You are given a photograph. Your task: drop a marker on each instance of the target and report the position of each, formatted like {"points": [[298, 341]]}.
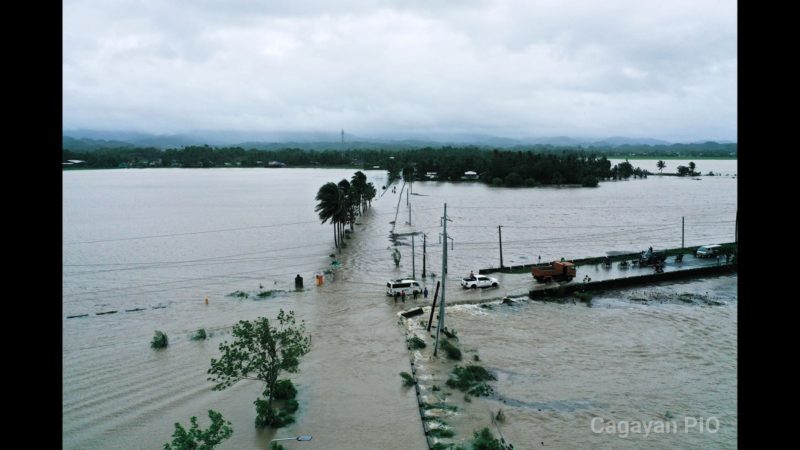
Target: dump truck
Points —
{"points": [[556, 270]]}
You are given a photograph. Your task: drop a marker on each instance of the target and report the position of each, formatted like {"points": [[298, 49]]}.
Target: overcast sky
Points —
{"points": [[662, 69]]}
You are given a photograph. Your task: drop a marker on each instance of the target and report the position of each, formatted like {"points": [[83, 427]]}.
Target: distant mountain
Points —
{"points": [[88, 140], [88, 145], [616, 141]]}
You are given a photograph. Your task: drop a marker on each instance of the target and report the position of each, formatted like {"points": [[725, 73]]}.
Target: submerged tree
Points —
{"points": [[661, 165], [261, 351], [330, 206], [197, 439]]}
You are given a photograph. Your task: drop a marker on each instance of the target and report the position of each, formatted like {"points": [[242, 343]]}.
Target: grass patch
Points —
{"points": [[408, 380], [160, 340], [239, 294], [451, 350], [416, 343]]}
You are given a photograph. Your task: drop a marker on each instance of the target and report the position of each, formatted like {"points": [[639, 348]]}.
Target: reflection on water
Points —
{"points": [[161, 241]]}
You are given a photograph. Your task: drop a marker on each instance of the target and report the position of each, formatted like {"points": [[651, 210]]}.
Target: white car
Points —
{"points": [[708, 251], [478, 281]]}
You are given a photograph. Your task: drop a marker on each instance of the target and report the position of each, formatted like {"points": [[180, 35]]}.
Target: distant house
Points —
{"points": [[431, 175], [276, 164], [470, 175]]}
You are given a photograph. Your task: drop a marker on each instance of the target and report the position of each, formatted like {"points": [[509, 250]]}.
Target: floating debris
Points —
{"points": [[107, 312], [77, 315]]}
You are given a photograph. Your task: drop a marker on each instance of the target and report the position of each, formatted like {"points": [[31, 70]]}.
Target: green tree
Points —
{"points": [[197, 439], [261, 351], [683, 171], [661, 165], [330, 205], [692, 166]]}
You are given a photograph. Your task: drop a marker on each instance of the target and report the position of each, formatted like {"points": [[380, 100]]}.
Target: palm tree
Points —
{"points": [[359, 184], [347, 215], [661, 164], [691, 168], [369, 193], [330, 206]]}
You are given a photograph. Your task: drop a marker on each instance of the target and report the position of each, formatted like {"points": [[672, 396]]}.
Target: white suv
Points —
{"points": [[479, 281], [708, 251], [398, 286]]}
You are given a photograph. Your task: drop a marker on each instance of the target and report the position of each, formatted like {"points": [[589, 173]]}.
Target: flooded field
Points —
{"points": [[160, 241], [572, 376]]}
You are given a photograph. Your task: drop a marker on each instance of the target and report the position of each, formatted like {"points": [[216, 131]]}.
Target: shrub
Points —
{"points": [[485, 440], [451, 350], [471, 379], [291, 406], [497, 181], [408, 380], [239, 294], [199, 335], [416, 343], [271, 417], [160, 340], [441, 432], [284, 390]]}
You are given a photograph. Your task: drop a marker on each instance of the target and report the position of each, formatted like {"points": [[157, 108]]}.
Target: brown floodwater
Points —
{"points": [[162, 240]]}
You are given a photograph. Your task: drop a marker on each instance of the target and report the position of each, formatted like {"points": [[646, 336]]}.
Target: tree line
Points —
{"points": [[498, 167]]}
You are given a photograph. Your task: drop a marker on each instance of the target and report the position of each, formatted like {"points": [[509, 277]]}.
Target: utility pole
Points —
{"points": [[424, 255], [500, 234], [433, 306], [413, 259], [683, 232], [440, 324], [736, 233]]}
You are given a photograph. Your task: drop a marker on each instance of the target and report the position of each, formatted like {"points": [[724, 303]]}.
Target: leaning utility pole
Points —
{"points": [[440, 324]]}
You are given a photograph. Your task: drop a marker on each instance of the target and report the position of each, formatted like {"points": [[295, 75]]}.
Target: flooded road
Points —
{"points": [[161, 241]]}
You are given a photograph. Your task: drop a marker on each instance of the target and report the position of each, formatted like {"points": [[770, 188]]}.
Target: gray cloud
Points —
{"points": [[512, 68]]}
